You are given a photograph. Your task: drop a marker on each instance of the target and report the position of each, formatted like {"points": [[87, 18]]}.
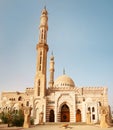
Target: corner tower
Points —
{"points": [[42, 49]]}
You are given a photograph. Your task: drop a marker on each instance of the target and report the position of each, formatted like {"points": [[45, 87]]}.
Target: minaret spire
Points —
{"points": [[42, 49], [43, 26], [51, 82], [41, 67], [45, 7]]}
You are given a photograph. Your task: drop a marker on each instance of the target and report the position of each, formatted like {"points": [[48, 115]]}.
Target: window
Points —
{"points": [[40, 53], [84, 99], [40, 62], [93, 109], [40, 59], [93, 117], [27, 103], [40, 67], [99, 103], [20, 98], [39, 82], [42, 35], [89, 109], [38, 91]]}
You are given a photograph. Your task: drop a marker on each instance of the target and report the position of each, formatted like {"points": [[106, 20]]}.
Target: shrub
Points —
{"points": [[18, 118], [12, 118], [4, 117], [32, 121]]}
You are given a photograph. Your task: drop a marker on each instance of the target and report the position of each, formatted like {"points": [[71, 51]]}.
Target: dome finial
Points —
{"points": [[63, 71], [52, 53]]}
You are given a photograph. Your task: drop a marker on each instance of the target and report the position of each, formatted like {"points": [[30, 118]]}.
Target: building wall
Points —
{"points": [[77, 100], [16, 100]]}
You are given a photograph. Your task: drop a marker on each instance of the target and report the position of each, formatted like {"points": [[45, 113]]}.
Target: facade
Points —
{"points": [[61, 100]]}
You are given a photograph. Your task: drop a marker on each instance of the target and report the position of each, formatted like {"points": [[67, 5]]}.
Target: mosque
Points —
{"points": [[59, 101]]}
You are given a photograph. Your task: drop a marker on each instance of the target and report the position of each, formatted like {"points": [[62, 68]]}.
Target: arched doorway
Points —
{"points": [[51, 116], [65, 114], [78, 115]]}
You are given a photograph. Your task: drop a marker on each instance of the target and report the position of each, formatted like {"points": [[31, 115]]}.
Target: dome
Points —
{"points": [[64, 81]]}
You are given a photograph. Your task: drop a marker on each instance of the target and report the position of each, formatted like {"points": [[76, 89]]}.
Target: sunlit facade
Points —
{"points": [[60, 100]]}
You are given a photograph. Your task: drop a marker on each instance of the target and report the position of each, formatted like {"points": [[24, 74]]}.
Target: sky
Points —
{"points": [[80, 35]]}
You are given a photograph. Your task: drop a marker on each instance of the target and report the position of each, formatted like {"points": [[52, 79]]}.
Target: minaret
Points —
{"points": [[42, 48], [51, 82]]}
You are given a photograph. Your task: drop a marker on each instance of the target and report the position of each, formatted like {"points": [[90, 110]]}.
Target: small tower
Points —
{"points": [[51, 82], [42, 49]]}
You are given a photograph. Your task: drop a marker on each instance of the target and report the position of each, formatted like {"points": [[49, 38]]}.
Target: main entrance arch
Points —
{"points": [[65, 113]]}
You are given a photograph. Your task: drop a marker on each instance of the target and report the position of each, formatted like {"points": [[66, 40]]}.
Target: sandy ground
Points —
{"points": [[57, 127]]}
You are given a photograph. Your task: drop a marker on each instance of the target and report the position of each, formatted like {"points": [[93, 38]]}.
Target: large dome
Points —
{"points": [[64, 81]]}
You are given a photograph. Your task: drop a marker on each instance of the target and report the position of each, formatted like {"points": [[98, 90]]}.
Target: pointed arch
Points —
{"points": [[65, 113], [78, 115], [51, 116]]}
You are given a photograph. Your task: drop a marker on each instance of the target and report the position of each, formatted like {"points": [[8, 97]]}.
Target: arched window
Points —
{"points": [[99, 104], [89, 109], [39, 67], [40, 59], [20, 98], [27, 103], [39, 82], [40, 53], [42, 34], [93, 109], [40, 64], [93, 117], [39, 91]]}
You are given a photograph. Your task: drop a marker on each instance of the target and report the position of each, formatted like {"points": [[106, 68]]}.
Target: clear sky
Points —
{"points": [[80, 35]]}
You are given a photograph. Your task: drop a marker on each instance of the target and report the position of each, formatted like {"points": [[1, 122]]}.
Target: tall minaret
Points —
{"points": [[42, 48], [51, 82]]}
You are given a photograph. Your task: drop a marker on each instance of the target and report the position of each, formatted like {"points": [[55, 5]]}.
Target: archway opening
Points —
{"points": [[78, 115], [65, 113], [51, 116]]}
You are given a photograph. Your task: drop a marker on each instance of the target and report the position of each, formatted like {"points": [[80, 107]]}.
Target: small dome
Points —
{"points": [[64, 81]]}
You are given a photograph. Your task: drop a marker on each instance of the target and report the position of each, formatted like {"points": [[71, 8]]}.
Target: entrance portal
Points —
{"points": [[65, 114], [78, 115], [51, 116]]}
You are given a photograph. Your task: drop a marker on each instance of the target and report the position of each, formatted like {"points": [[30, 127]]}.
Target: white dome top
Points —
{"points": [[64, 81]]}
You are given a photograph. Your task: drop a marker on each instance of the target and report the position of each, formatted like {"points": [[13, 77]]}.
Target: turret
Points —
{"points": [[51, 82]]}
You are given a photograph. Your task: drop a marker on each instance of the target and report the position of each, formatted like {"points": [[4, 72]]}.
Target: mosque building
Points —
{"points": [[59, 101]]}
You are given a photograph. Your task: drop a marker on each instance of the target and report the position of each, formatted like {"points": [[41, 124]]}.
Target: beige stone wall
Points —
{"points": [[79, 98], [16, 99]]}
